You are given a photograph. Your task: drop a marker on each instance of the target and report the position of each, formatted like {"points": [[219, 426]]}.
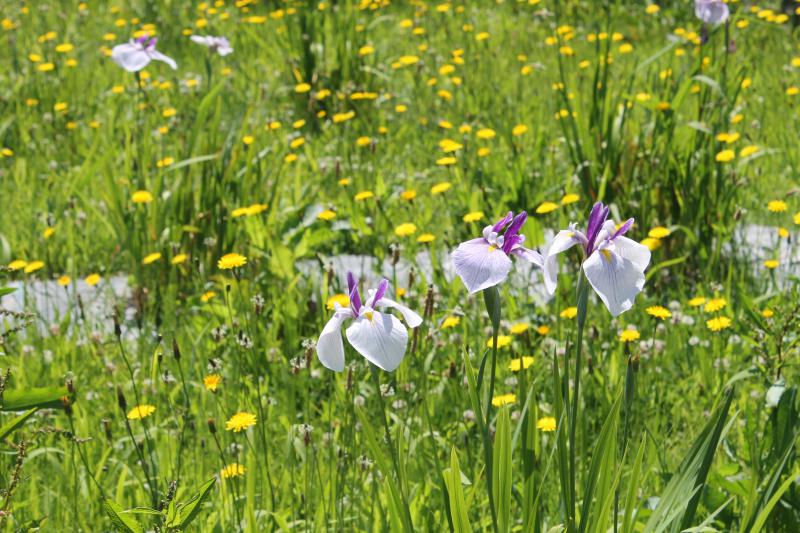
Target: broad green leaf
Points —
{"points": [[758, 525], [190, 510], [678, 502], [501, 470], [455, 490], [10, 426], [120, 521], [42, 397]]}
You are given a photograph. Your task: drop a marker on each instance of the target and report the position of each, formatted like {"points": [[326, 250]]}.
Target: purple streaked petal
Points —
{"points": [[480, 265], [503, 222], [352, 291], [623, 229], [380, 293], [511, 241], [597, 218], [531, 256], [141, 40], [151, 44], [512, 233], [130, 56]]}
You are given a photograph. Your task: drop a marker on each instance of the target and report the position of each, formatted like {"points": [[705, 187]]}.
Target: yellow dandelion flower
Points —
{"points": [[326, 215], [546, 207], [33, 266], [629, 335], [520, 328], [569, 199], [651, 243], [450, 322], [777, 206], [725, 156], [212, 381], [569, 312], [697, 301], [232, 260], [240, 421], [519, 129], [748, 150], [449, 145], [342, 299], [659, 232], [714, 305], [486, 133], [504, 399], [207, 296], [767, 313], [232, 470], [406, 229], [426, 237], [151, 258], [408, 195], [141, 197], [17, 264], [502, 341], [439, 188], [301, 88], [179, 259], [515, 365], [446, 161], [543, 330], [771, 264], [547, 423], [363, 195], [141, 411], [718, 323], [473, 216], [658, 311], [92, 279]]}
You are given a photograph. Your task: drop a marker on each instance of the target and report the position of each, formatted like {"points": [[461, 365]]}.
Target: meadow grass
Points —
{"points": [[187, 394]]}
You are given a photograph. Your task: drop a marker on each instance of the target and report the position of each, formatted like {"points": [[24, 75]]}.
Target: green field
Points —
{"points": [[174, 242]]}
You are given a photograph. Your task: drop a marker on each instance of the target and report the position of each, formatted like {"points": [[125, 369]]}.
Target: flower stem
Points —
{"points": [[491, 298], [583, 293], [394, 452]]}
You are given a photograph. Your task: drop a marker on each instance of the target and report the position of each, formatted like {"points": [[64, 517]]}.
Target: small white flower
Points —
{"points": [[219, 45], [137, 54], [380, 337]]}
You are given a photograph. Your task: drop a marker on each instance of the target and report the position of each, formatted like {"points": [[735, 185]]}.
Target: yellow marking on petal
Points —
{"points": [[606, 254], [368, 314], [492, 248]]}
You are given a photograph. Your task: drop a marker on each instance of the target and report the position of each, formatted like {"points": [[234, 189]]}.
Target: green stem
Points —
{"points": [[583, 293], [394, 452], [491, 298]]}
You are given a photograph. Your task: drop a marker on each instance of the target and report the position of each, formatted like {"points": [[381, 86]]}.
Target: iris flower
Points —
{"points": [[137, 54], [711, 11], [614, 265], [380, 337], [219, 45], [486, 261]]}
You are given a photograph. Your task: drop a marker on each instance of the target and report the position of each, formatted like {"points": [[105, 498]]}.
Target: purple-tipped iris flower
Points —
{"points": [[486, 261], [219, 45], [711, 11], [380, 337], [137, 54], [613, 264]]}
